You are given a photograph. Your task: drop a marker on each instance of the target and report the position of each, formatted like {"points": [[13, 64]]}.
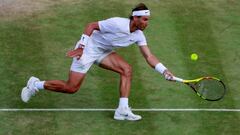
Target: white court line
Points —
{"points": [[104, 110]]}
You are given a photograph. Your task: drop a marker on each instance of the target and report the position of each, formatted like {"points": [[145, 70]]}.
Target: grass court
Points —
{"points": [[35, 36]]}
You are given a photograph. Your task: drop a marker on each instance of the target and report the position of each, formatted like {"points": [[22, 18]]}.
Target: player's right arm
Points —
{"points": [[155, 63]]}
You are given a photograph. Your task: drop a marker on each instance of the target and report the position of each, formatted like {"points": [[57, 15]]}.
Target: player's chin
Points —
{"points": [[142, 28]]}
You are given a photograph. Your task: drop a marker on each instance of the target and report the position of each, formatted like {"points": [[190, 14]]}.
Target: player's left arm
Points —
{"points": [[153, 61], [77, 52]]}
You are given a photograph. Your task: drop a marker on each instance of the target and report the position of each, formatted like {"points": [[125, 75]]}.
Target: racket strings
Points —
{"points": [[210, 89]]}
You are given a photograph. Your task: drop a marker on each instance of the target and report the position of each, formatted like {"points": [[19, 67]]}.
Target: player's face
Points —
{"points": [[142, 22]]}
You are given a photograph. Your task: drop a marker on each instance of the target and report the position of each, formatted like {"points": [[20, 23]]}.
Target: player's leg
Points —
{"points": [[77, 73], [117, 64], [72, 85], [76, 76]]}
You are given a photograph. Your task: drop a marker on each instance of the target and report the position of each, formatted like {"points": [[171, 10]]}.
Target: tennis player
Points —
{"points": [[96, 45]]}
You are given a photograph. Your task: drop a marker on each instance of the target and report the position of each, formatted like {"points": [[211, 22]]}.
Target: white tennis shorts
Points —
{"points": [[92, 53]]}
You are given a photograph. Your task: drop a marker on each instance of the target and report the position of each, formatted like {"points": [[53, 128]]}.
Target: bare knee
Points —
{"points": [[126, 70], [71, 89]]}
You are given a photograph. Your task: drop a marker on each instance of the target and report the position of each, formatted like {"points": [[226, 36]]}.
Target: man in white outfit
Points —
{"points": [[96, 46]]}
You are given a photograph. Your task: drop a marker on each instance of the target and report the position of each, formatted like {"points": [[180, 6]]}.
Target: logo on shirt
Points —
{"points": [[131, 40]]}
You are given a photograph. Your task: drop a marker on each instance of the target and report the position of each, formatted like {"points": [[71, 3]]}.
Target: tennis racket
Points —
{"points": [[208, 88]]}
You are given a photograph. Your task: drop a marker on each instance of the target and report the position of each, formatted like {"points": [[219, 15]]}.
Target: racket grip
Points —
{"points": [[177, 79]]}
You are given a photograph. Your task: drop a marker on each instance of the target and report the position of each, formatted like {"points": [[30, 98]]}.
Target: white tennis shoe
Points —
{"points": [[125, 113], [30, 90]]}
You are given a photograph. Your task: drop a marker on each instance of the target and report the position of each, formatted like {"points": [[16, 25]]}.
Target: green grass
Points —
{"points": [[36, 45]]}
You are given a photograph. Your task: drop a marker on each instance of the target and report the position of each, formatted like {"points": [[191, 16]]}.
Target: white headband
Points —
{"points": [[141, 13]]}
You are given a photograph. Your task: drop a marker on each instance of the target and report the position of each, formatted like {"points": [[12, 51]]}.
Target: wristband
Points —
{"points": [[79, 45], [160, 68], [84, 39]]}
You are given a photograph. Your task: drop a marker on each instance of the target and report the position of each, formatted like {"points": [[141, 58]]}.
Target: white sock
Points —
{"points": [[39, 85], [123, 102]]}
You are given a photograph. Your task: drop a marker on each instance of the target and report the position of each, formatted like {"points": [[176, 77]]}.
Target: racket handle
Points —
{"points": [[177, 79]]}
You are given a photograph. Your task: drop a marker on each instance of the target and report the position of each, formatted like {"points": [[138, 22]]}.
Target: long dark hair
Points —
{"points": [[140, 6]]}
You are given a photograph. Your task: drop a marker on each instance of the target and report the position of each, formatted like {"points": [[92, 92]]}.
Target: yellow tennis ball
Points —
{"points": [[194, 56]]}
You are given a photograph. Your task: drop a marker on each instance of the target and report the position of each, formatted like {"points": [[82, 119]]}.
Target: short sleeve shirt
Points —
{"points": [[115, 32]]}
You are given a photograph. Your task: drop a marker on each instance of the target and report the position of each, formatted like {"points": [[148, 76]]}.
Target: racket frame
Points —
{"points": [[191, 84]]}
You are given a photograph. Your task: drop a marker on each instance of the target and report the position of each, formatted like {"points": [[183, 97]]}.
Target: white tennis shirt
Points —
{"points": [[115, 32]]}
